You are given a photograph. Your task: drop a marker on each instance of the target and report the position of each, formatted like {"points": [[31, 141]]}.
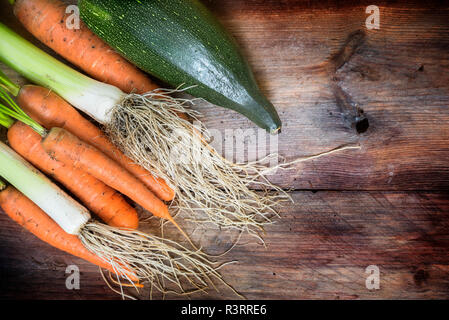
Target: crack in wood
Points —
{"points": [[352, 43], [353, 116]]}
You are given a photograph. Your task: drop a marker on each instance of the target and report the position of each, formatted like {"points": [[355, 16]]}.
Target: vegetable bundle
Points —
{"points": [[67, 149], [53, 216]]}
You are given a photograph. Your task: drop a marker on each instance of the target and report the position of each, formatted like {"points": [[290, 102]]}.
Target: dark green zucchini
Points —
{"points": [[180, 42]]}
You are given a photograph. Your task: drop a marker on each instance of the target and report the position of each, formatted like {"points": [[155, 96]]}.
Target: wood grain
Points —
{"points": [[397, 76], [386, 204]]}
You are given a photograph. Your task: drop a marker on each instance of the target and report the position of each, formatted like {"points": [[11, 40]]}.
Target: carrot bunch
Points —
{"points": [[90, 174], [50, 110], [53, 216], [48, 212]]}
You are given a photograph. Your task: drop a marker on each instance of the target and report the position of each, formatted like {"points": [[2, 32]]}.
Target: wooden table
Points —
{"points": [[334, 82]]}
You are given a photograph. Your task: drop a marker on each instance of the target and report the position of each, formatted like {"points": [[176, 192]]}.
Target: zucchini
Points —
{"points": [[181, 42]]}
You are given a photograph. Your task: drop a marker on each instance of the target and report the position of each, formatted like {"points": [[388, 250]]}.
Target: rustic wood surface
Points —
{"points": [[334, 82]]}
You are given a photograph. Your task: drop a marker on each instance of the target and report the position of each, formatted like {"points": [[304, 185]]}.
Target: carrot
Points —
{"points": [[50, 110], [23, 211], [67, 148], [46, 20], [101, 199]]}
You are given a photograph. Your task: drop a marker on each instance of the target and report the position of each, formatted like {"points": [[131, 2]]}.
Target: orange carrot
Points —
{"points": [[101, 199], [67, 148], [51, 111], [47, 21], [23, 211]]}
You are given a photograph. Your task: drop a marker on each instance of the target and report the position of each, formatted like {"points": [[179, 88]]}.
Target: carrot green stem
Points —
{"points": [[5, 96], [12, 2], [2, 185], [7, 84], [12, 110], [6, 121]]}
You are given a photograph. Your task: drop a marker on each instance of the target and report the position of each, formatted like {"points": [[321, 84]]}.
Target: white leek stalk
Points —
{"points": [[65, 211]]}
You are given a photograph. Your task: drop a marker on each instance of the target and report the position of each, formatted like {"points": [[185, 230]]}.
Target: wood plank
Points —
{"points": [[318, 249]]}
